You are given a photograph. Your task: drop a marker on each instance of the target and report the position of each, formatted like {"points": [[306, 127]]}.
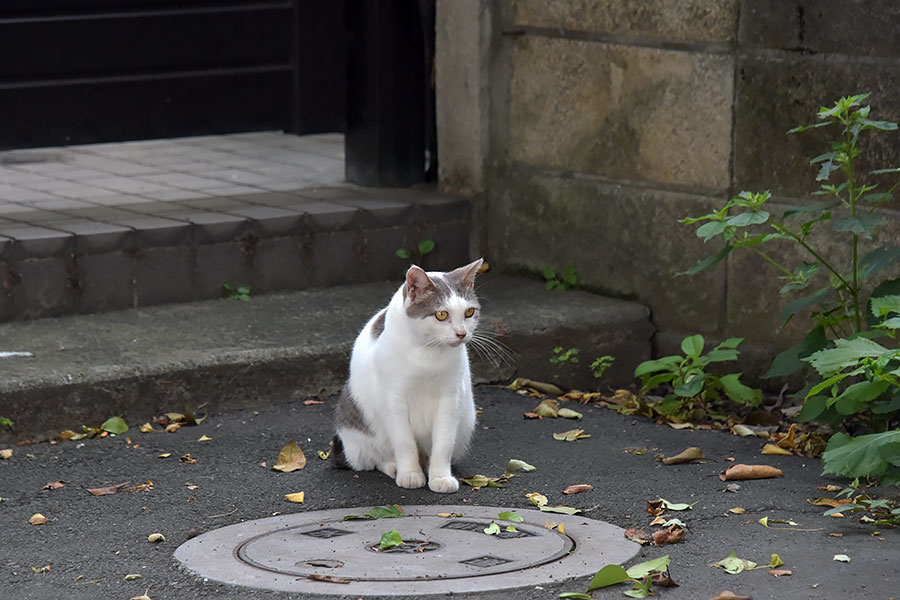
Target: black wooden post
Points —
{"points": [[385, 136]]}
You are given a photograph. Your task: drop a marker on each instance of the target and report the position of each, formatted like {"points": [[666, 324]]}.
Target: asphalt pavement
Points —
{"points": [[89, 543]]}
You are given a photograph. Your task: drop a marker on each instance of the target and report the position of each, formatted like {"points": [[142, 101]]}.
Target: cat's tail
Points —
{"points": [[338, 458]]}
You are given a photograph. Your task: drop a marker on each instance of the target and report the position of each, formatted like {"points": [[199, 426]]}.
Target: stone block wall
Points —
{"points": [[609, 121]]}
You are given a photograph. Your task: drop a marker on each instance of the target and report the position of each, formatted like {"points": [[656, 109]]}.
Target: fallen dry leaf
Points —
{"points": [[773, 449], [291, 458], [830, 488], [54, 486], [107, 491], [173, 427], [154, 538], [327, 578], [672, 535], [685, 456], [836, 515], [741, 471], [660, 520], [836, 534], [832, 502], [780, 572], [204, 438], [637, 535], [187, 458], [655, 507], [165, 455], [38, 519], [296, 498], [578, 488], [546, 388], [729, 595], [737, 510], [312, 402], [147, 428], [571, 435], [6, 454]]}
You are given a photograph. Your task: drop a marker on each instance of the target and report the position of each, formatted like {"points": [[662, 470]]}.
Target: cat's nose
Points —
{"points": [[461, 334]]}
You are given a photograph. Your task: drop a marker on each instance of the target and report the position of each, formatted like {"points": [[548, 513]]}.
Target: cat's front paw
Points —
{"points": [[443, 485], [411, 479]]}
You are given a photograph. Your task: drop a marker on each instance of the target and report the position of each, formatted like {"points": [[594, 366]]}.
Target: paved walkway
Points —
{"points": [[108, 226]]}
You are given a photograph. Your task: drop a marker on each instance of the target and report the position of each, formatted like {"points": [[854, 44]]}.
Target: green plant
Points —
{"points": [[560, 356], [689, 380], [241, 292], [422, 249], [857, 378], [4, 422], [601, 364], [883, 511], [553, 281]]}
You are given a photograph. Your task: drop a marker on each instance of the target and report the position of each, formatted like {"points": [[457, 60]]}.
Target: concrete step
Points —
{"points": [[277, 347]]}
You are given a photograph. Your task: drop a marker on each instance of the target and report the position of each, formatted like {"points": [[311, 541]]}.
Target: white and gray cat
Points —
{"points": [[408, 405]]}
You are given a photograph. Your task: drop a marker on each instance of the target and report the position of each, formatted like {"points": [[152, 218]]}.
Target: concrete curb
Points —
{"points": [[229, 354]]}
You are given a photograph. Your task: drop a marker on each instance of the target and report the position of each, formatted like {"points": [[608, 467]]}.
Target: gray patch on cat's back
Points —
{"points": [[348, 414], [378, 324]]}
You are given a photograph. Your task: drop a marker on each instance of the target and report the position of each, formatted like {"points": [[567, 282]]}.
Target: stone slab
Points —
{"points": [[226, 353], [452, 555], [625, 112], [669, 20]]}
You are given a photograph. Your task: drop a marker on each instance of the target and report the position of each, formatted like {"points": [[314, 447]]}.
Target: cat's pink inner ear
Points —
{"points": [[417, 281]]}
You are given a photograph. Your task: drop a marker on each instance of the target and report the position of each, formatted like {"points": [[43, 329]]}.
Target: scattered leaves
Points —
{"points": [[291, 458], [568, 413], [204, 438], [671, 535], [54, 486], [541, 501], [296, 498], [540, 386], [165, 455], [492, 529], [517, 465], [734, 565], [133, 576], [571, 435], [841, 558], [107, 491], [780, 572], [312, 402], [773, 449], [737, 510], [578, 488], [511, 516], [389, 539], [637, 535], [392, 511], [685, 456], [187, 458], [6, 454], [155, 538], [324, 455], [38, 519], [742, 471], [480, 481], [147, 428], [115, 425]]}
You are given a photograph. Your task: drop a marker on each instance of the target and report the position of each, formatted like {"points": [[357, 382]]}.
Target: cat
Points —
{"points": [[408, 401]]}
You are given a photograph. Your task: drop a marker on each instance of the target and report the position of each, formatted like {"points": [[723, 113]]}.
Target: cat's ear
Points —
{"points": [[466, 275], [418, 284]]}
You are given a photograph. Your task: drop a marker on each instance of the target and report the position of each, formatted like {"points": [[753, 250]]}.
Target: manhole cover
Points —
{"points": [[318, 552]]}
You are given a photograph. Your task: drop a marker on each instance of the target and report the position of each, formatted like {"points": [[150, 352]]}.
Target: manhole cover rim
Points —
{"points": [[213, 555]]}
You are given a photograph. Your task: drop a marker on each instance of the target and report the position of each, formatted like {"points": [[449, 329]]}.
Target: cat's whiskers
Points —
{"points": [[486, 345]]}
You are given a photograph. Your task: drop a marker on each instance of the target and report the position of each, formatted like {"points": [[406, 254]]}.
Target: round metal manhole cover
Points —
{"points": [[319, 552]]}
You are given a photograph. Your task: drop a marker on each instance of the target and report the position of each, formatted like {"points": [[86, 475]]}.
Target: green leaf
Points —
{"points": [[691, 388], [751, 217], [692, 345], [115, 425], [807, 208], [734, 565], [739, 392], [795, 306], [518, 465], [548, 274], [480, 481], [512, 516], [640, 589], [608, 575], [878, 259], [666, 363], [859, 456], [884, 305], [855, 397], [562, 510], [860, 224], [575, 595], [656, 565], [711, 229], [675, 506], [403, 253], [812, 408], [492, 529], [790, 361], [385, 512], [845, 353], [389, 539], [426, 246], [707, 262]]}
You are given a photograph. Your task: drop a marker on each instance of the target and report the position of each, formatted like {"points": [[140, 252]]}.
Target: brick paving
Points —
{"points": [[109, 226]]}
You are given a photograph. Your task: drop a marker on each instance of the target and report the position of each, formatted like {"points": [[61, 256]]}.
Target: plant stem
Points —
{"points": [[772, 262], [815, 254]]}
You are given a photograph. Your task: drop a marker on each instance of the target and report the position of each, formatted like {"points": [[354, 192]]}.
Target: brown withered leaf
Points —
{"points": [[547, 408], [107, 491], [54, 486], [637, 535], [187, 458], [663, 579], [38, 519], [685, 456], [729, 595], [742, 471], [671, 535], [655, 507], [659, 520], [832, 502], [837, 535], [312, 402], [578, 488], [291, 458], [780, 572]]}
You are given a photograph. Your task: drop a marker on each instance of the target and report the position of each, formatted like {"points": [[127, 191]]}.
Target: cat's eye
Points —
{"points": [[469, 312], [440, 315]]}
